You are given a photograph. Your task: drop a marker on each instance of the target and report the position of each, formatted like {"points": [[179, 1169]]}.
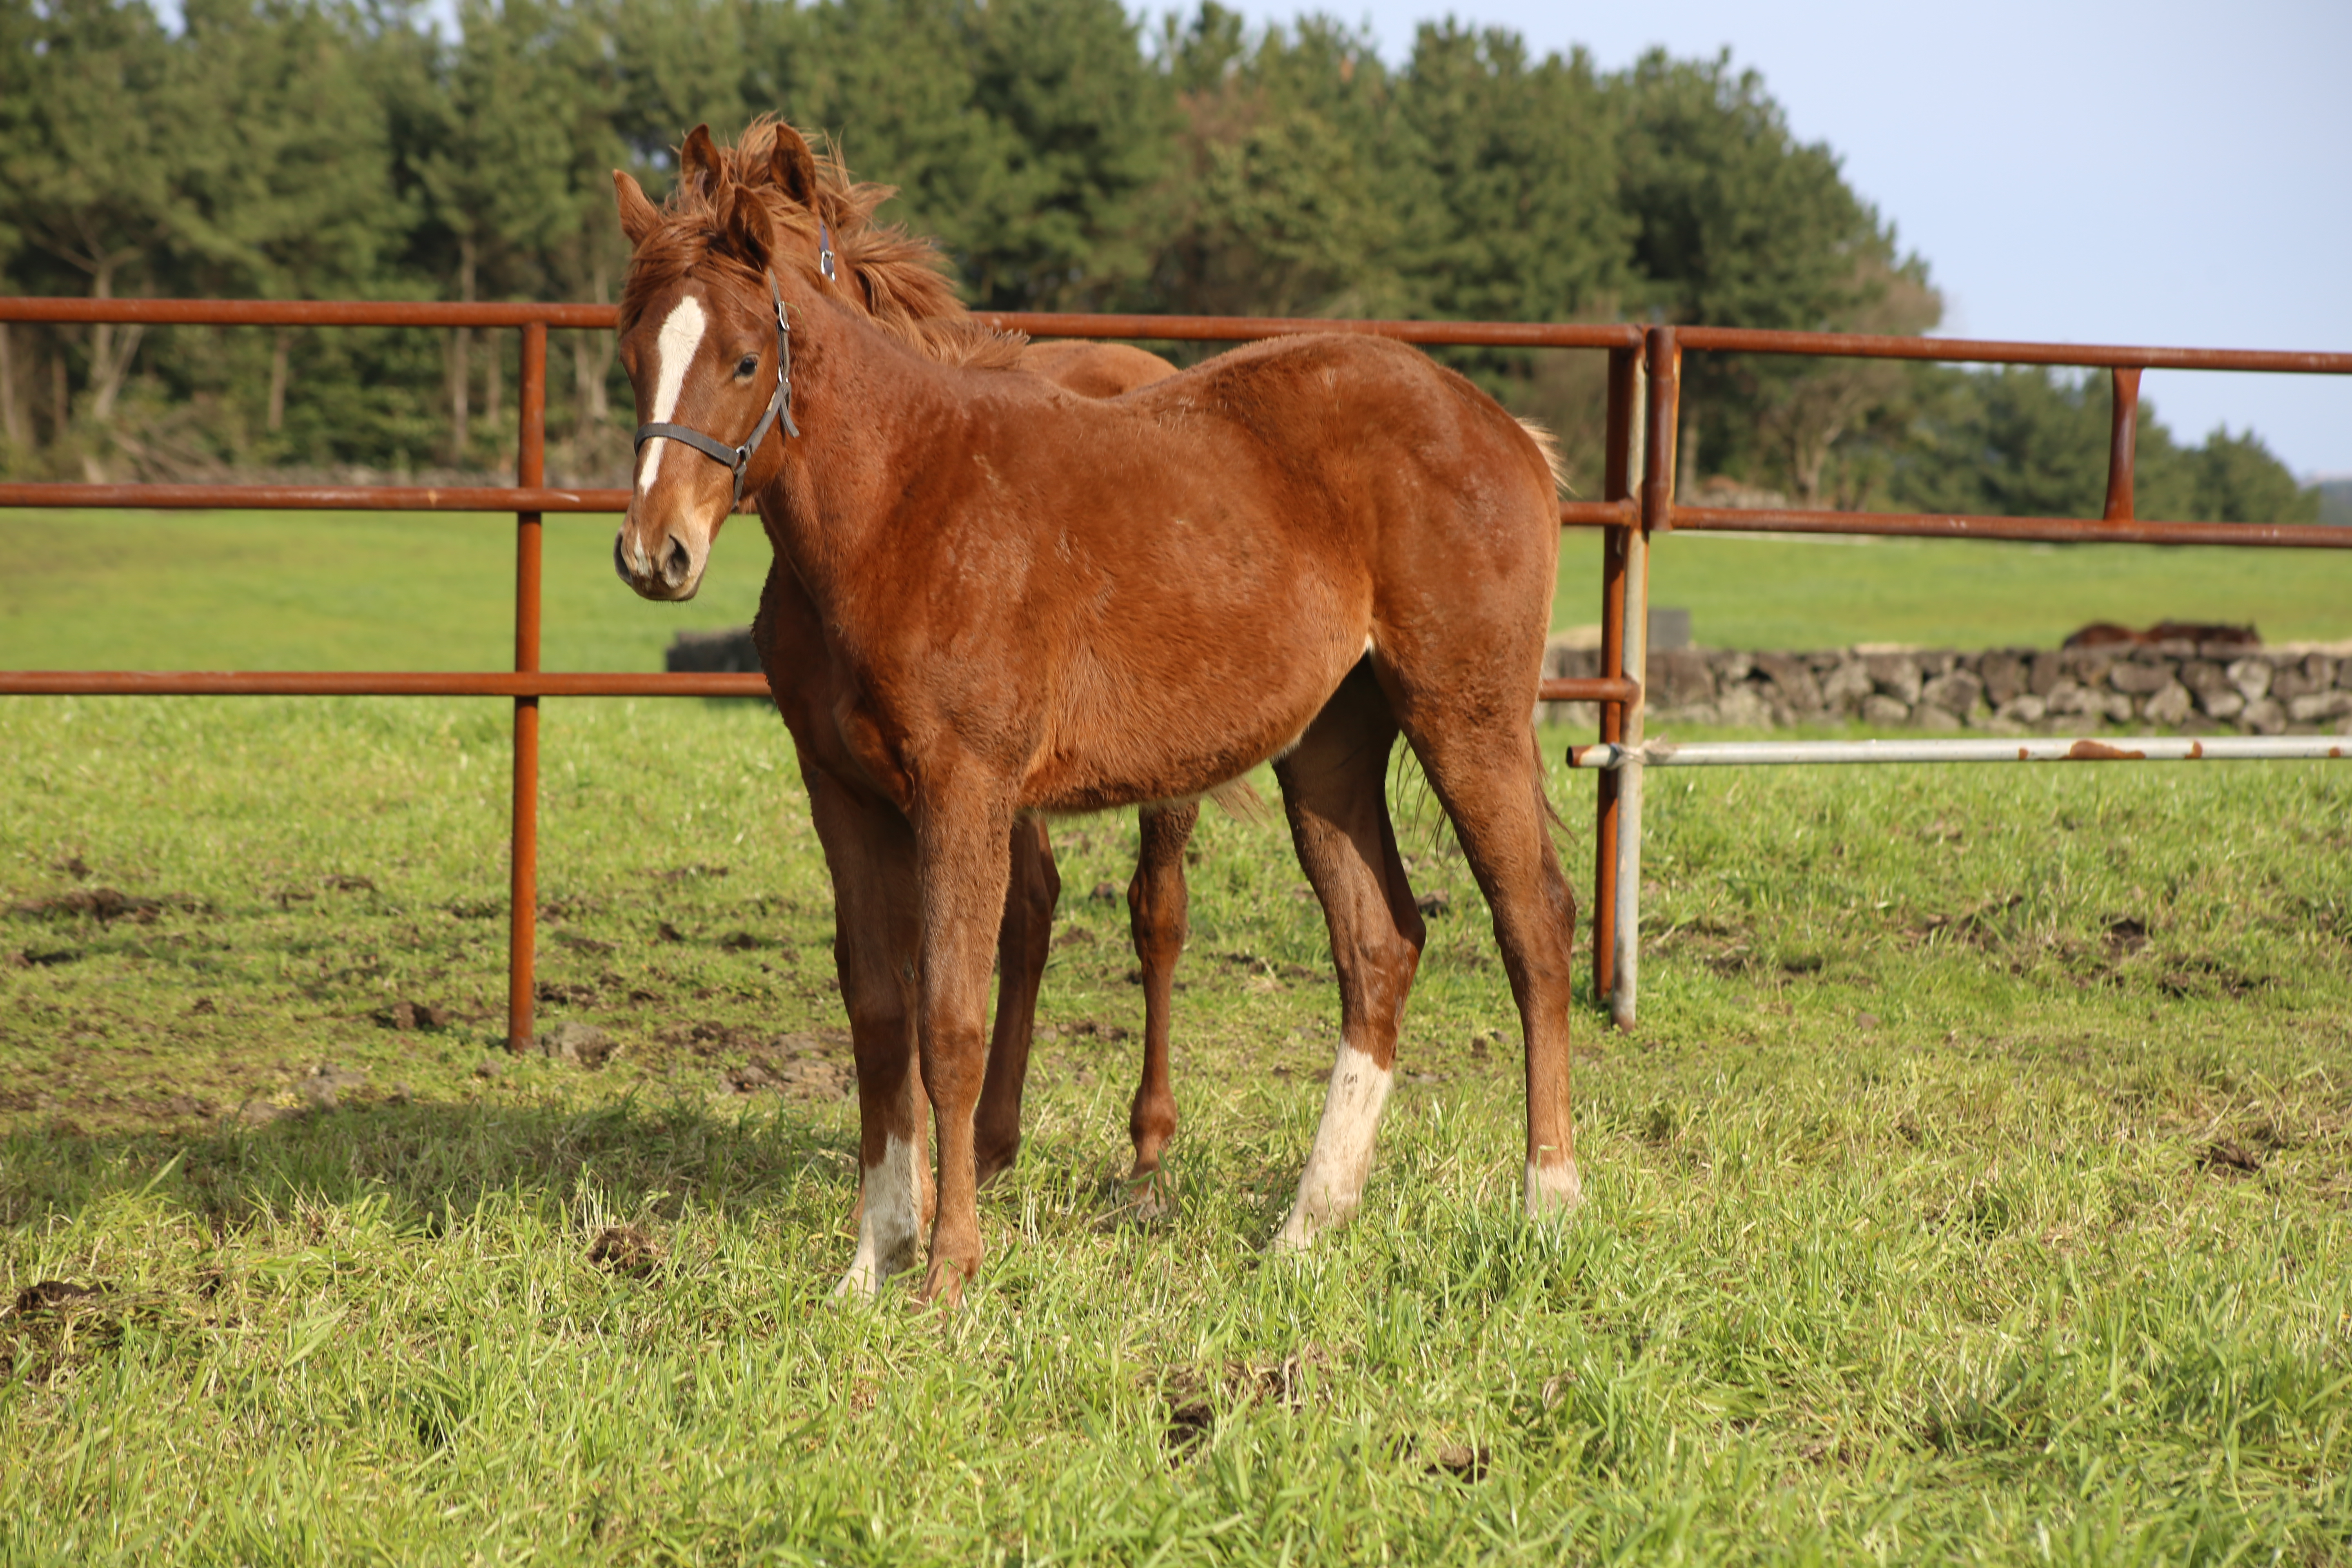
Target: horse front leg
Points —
{"points": [[870, 852], [962, 875]]}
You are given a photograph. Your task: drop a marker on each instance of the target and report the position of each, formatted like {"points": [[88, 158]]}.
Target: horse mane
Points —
{"points": [[899, 278]]}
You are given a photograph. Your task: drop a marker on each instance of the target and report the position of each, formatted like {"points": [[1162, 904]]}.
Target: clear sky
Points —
{"points": [[2091, 171]]}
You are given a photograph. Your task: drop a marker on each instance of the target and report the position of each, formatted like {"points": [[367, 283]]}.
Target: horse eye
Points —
{"points": [[747, 364]]}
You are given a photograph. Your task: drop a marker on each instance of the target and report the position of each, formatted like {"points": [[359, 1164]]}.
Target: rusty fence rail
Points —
{"points": [[1622, 755], [1636, 506], [530, 499]]}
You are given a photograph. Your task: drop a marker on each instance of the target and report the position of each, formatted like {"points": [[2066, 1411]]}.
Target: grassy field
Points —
{"points": [[355, 591], [1978, 1186]]}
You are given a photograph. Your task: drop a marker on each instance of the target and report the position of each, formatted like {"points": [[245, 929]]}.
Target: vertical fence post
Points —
{"points": [[1620, 475], [1662, 406], [2122, 436], [523, 914]]}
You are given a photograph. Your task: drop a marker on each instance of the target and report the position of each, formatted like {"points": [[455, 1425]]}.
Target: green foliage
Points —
{"points": [[2028, 442], [1063, 160]]}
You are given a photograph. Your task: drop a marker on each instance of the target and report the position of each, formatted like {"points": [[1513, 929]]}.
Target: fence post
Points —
{"points": [[522, 912], [1663, 407], [1620, 475], [2122, 436]]}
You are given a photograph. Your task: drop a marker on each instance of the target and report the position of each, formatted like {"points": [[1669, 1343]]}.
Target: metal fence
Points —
{"points": [[1622, 755], [530, 499], [1637, 506]]}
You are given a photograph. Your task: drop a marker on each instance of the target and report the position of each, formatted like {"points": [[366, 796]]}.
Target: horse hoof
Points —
{"points": [[942, 1287], [989, 1166], [1155, 1195], [1553, 1189]]}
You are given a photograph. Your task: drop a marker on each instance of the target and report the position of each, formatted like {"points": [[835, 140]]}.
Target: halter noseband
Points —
{"points": [[780, 406]]}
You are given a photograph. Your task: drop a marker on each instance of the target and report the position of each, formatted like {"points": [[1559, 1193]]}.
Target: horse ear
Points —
{"points": [[699, 166], [746, 229], [794, 165], [637, 214]]}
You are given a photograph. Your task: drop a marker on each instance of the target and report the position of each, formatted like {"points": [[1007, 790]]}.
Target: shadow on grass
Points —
{"points": [[434, 1160]]}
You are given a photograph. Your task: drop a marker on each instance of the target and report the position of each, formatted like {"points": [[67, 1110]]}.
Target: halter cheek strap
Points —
{"points": [[779, 406]]}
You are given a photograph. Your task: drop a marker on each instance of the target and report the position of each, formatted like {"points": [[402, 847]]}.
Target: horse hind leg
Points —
{"points": [[1023, 945], [1157, 906], [1487, 777], [1334, 788]]}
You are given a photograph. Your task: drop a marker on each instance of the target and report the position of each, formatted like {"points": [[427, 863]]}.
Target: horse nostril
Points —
{"points": [[620, 563], [675, 565]]}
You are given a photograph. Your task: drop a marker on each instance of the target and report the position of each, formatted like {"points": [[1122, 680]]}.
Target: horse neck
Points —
{"points": [[867, 407]]}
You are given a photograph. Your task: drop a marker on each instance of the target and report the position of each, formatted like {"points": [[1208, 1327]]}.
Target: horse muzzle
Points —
{"points": [[668, 571]]}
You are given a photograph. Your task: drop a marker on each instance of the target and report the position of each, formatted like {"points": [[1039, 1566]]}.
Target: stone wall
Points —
{"points": [[2180, 687]]}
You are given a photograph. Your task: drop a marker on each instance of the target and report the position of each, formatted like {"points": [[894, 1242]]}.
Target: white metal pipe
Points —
{"points": [[1663, 753], [1624, 966]]}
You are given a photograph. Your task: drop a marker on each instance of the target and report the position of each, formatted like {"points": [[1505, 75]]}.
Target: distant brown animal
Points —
{"points": [[2107, 634], [1005, 599]]}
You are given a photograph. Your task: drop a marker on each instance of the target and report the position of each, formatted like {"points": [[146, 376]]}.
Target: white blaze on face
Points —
{"points": [[674, 350], [1342, 1157], [888, 1234]]}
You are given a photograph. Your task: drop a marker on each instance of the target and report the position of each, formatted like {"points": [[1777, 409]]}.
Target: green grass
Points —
{"points": [[1978, 1188], [359, 591], [1789, 592], [90, 590], [1914, 1229]]}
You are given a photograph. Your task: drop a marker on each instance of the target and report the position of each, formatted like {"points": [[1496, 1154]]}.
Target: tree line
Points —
{"points": [[1066, 155]]}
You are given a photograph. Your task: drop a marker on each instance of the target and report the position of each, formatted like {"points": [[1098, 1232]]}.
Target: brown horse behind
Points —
{"points": [[1007, 599]]}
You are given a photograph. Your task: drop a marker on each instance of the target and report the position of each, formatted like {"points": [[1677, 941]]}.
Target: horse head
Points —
{"points": [[706, 342]]}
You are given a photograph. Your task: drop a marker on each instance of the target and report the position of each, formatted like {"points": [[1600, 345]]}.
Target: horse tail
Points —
{"points": [[1548, 445]]}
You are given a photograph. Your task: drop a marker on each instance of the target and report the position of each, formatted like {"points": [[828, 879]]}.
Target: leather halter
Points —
{"points": [[779, 406]]}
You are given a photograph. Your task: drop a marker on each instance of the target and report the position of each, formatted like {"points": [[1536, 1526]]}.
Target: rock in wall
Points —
{"points": [[2188, 687]]}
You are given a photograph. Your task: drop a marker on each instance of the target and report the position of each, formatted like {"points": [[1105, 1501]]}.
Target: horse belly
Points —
{"points": [[1122, 733]]}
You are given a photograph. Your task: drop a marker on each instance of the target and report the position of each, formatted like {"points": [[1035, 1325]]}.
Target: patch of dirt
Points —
{"points": [[2206, 977], [322, 1087], [54, 1296], [577, 1044], [406, 1015], [1462, 1462], [566, 995], [709, 1038], [743, 942], [1105, 893], [107, 905], [1194, 1393], [688, 873], [669, 933], [1432, 905], [2226, 1154], [1974, 926], [815, 1065], [342, 883], [583, 944], [53, 1323], [625, 1250], [1092, 1030], [2126, 935]]}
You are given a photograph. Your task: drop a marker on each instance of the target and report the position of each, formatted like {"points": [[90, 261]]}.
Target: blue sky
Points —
{"points": [[2093, 172]]}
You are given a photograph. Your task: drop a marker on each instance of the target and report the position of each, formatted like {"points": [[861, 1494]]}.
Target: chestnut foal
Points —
{"points": [[899, 279], [1006, 598]]}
